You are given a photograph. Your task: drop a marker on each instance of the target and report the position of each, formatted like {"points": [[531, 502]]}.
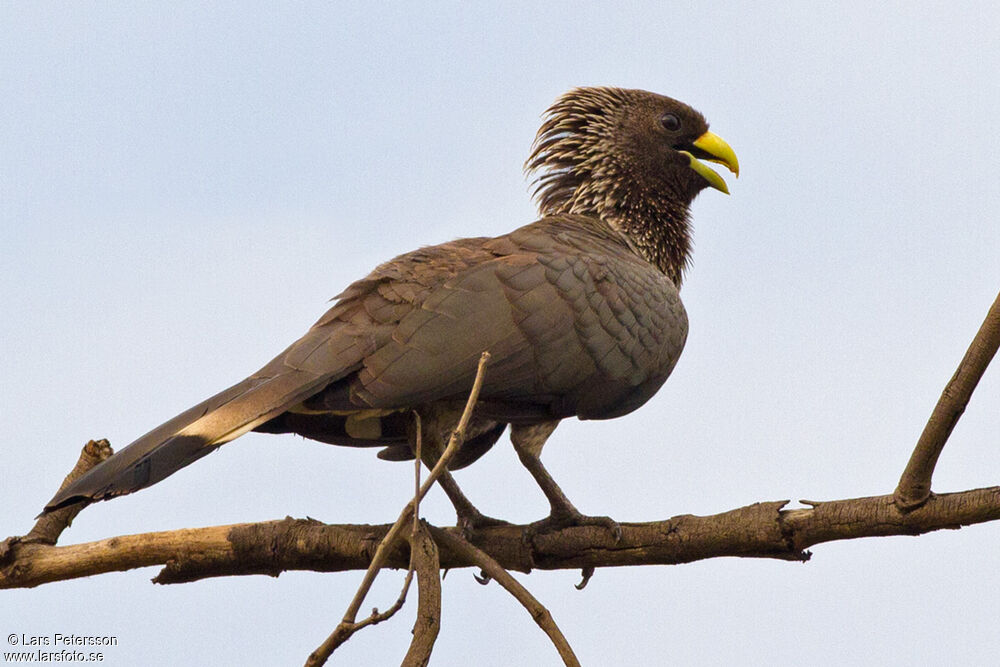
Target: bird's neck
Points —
{"points": [[652, 216], [659, 233]]}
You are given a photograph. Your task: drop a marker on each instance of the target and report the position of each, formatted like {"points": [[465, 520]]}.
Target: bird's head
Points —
{"points": [[632, 158], [595, 142]]}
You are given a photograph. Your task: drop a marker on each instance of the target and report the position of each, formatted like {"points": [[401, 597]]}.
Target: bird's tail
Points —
{"points": [[191, 435]]}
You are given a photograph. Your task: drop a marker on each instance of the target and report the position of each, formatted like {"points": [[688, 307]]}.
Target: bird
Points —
{"points": [[579, 310]]}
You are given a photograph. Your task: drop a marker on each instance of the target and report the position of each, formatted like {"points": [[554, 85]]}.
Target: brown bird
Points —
{"points": [[580, 311]]}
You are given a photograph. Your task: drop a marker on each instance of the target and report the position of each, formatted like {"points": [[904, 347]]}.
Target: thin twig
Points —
{"points": [[458, 435], [417, 465], [415, 562], [345, 629], [915, 483], [377, 616], [538, 612]]}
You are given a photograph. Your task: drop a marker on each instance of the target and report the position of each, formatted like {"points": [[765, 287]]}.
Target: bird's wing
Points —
{"points": [[575, 322]]}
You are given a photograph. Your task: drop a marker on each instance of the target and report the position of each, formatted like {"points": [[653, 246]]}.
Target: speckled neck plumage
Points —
{"points": [[583, 170], [661, 234]]}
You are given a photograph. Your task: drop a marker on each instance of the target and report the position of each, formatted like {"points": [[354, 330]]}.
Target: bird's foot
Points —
{"points": [[567, 518], [471, 521]]}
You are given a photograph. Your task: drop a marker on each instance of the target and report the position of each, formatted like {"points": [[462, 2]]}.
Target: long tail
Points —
{"points": [[192, 434]]}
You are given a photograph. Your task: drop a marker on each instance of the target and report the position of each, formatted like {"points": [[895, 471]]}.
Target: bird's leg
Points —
{"points": [[528, 442], [431, 447], [469, 518]]}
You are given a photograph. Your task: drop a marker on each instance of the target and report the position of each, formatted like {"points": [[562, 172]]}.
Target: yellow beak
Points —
{"points": [[719, 152]]}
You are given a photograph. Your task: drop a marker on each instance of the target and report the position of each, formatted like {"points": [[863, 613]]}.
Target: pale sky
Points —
{"points": [[183, 186]]}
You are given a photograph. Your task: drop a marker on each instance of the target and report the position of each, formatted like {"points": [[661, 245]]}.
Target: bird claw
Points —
{"points": [[470, 522], [568, 519]]}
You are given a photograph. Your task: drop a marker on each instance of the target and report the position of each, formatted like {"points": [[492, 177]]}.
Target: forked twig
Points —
{"points": [[494, 570], [347, 626]]}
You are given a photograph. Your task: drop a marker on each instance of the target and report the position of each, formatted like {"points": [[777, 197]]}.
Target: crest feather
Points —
{"points": [[573, 154]]}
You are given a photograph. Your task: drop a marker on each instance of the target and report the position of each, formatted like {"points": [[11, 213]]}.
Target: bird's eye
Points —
{"points": [[670, 122]]}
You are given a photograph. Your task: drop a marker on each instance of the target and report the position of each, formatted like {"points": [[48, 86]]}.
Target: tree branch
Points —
{"points": [[49, 527], [915, 484], [761, 530]]}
